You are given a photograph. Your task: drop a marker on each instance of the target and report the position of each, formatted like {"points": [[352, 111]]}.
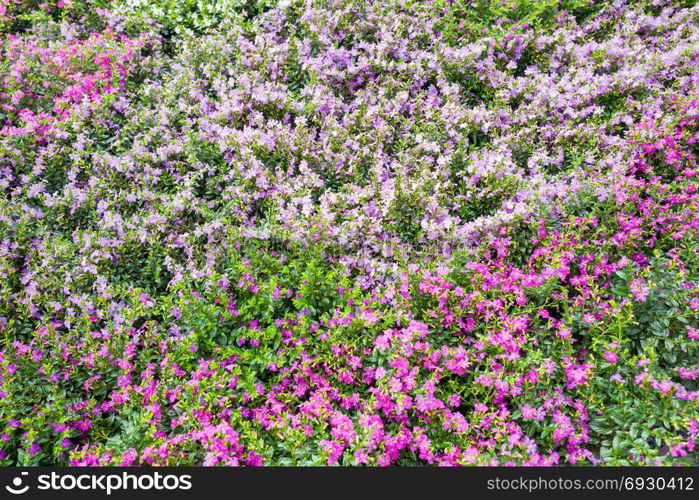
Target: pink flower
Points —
{"points": [[611, 356], [639, 289], [576, 374]]}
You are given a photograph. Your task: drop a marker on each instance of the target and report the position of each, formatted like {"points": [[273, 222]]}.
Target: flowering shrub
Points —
{"points": [[191, 15], [43, 84], [341, 232]]}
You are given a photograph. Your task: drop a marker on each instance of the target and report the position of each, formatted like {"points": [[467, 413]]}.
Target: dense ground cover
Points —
{"points": [[349, 232]]}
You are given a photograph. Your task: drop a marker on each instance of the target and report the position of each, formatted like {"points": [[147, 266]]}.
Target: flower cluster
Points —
{"points": [[347, 232]]}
